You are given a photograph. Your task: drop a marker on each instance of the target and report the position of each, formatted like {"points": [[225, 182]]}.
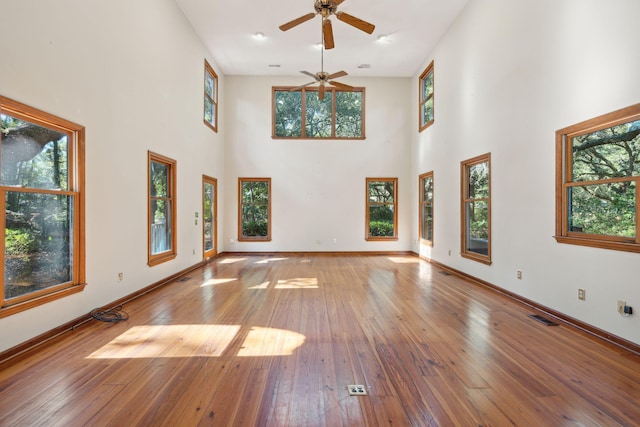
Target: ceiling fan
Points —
{"points": [[323, 78], [326, 8]]}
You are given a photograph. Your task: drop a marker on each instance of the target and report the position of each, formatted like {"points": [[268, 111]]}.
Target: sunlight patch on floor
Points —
{"points": [[169, 341], [231, 260], [298, 283], [404, 259], [270, 342], [267, 261], [213, 282]]}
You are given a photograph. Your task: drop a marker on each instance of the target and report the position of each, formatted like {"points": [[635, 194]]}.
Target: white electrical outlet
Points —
{"points": [[621, 305], [581, 294], [120, 277], [519, 274]]}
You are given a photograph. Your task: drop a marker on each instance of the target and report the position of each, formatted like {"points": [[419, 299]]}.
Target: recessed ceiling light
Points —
{"points": [[364, 66], [259, 35], [274, 65], [383, 38]]}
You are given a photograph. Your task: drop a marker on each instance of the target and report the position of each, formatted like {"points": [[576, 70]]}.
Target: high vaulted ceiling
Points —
{"points": [[411, 27]]}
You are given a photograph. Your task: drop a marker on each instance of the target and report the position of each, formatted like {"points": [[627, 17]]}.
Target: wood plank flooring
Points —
{"points": [[274, 341]]}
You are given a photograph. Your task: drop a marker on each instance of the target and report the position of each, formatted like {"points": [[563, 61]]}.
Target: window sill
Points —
{"points": [[602, 244], [28, 304], [480, 258]]}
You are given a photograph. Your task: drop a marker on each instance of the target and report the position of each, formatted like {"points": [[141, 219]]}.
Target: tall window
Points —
{"points": [[476, 208], [382, 212], [597, 181], [426, 208], [209, 216], [162, 209], [42, 207], [425, 82], [301, 114], [210, 97], [254, 213]]}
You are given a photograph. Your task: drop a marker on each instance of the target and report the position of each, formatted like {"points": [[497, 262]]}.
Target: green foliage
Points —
{"points": [[381, 228], [611, 155], [19, 242], [254, 229]]}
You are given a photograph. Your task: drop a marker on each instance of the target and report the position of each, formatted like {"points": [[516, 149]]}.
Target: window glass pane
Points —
{"points": [[427, 222], [427, 111], [209, 111], [33, 156], [348, 114], [38, 242], [159, 179], [288, 114], [427, 86], [479, 181], [160, 226], [208, 216], [605, 209], [477, 225], [209, 86], [255, 192], [318, 115], [427, 195], [381, 221], [381, 192], [607, 153], [255, 220]]}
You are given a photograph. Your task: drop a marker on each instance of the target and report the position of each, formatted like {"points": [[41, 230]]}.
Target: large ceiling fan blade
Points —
{"points": [[289, 25], [356, 22], [306, 73], [336, 75], [321, 92], [327, 32], [341, 86]]}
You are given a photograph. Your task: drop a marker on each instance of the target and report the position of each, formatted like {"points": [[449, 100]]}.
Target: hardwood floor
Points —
{"points": [[274, 341]]}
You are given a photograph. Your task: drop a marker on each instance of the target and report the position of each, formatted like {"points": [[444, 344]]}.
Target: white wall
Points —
{"points": [[318, 187], [132, 74], [507, 76]]}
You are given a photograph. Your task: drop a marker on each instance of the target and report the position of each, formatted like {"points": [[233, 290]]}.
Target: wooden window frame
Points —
{"points": [[241, 237], [564, 181], [208, 70], [206, 254], [75, 189], [155, 259], [303, 110], [421, 205], [422, 100], [395, 210], [464, 193]]}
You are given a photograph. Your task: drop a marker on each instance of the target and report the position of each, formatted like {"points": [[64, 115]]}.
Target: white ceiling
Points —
{"points": [[227, 28]]}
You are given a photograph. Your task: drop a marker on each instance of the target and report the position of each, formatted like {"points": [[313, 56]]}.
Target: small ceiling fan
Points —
{"points": [[326, 8], [323, 78]]}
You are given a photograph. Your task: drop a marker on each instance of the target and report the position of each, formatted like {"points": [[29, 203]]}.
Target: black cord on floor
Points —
{"points": [[115, 314]]}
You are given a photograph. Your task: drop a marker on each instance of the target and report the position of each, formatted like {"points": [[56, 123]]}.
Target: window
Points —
{"points": [[210, 97], [382, 212], [42, 212], [476, 208], [426, 98], [340, 115], [254, 213], [597, 181], [426, 208], [162, 209], [209, 216]]}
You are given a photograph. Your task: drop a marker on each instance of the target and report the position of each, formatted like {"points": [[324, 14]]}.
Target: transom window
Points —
{"points": [[254, 210], [210, 97], [476, 208], [162, 209], [426, 208], [300, 114], [382, 212], [425, 82], [42, 207], [598, 175]]}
